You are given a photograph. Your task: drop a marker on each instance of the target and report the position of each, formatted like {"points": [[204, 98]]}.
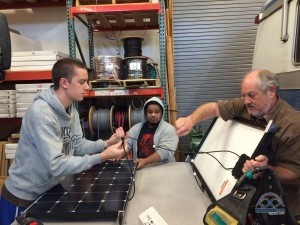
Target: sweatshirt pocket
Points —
{"points": [[42, 182]]}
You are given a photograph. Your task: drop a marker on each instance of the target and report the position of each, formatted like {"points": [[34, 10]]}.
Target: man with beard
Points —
{"points": [[153, 140], [260, 102]]}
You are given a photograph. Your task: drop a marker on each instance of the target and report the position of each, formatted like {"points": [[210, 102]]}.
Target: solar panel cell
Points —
{"points": [[99, 193]]}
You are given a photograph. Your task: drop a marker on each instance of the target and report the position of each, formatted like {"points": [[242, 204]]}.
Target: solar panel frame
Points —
{"points": [[98, 194], [238, 136]]}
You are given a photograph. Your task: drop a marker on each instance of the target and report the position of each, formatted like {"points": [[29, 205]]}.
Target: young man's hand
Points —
{"points": [[112, 152], [125, 149], [115, 138]]}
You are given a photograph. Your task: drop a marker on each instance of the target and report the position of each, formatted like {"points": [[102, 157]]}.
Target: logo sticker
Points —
{"points": [[270, 203]]}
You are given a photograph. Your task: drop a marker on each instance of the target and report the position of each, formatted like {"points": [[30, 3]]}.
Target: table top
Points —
{"points": [[168, 187], [173, 192]]}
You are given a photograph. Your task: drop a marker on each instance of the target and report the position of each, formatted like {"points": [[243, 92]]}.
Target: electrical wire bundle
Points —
{"points": [[107, 67], [132, 46], [121, 119], [107, 119]]}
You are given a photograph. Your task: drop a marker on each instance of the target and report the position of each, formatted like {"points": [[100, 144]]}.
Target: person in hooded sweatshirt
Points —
{"points": [[153, 140], [51, 143]]}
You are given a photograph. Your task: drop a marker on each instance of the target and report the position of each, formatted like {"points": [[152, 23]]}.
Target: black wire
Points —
{"points": [[228, 151], [132, 47], [131, 170], [207, 152], [109, 38], [221, 151], [218, 161], [200, 186], [115, 39], [133, 138], [133, 180]]}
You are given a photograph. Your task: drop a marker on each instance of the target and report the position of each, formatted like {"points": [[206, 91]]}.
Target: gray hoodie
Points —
{"points": [[51, 146], [165, 136]]}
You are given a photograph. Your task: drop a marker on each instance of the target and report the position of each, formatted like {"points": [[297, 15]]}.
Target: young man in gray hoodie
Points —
{"points": [[51, 143], [153, 140]]}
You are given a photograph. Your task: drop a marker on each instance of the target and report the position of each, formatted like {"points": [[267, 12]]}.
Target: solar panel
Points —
{"points": [[100, 193], [221, 148]]}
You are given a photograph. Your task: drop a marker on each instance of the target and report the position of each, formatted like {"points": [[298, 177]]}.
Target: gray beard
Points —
{"points": [[264, 111]]}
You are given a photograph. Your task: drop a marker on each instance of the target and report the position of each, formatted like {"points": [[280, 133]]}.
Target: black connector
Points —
{"points": [[237, 169]]}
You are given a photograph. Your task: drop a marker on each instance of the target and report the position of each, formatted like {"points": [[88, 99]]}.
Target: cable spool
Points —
{"points": [[132, 46], [135, 116], [107, 67], [151, 70], [121, 118], [111, 116], [135, 67], [100, 120], [129, 116]]}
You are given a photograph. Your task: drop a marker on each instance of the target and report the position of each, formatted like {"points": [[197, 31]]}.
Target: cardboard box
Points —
{"points": [[21, 43]]}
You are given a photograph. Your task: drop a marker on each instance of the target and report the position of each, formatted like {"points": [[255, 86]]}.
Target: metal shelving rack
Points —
{"points": [[28, 75], [120, 12], [21, 4], [162, 43]]}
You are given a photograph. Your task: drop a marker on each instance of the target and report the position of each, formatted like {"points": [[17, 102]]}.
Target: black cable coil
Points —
{"points": [[132, 46]]}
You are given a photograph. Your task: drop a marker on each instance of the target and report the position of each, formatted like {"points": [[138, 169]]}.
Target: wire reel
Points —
{"points": [[132, 46], [100, 120], [107, 119], [135, 116]]}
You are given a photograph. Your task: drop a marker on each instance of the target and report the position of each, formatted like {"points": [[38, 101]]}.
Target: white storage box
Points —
{"points": [[21, 43], [35, 60]]}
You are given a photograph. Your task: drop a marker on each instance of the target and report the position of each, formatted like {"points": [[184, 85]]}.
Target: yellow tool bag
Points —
{"points": [[252, 202]]}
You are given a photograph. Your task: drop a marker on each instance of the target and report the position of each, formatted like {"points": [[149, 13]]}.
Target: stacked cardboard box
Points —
{"points": [[26, 94], [7, 103], [35, 60], [10, 150]]}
